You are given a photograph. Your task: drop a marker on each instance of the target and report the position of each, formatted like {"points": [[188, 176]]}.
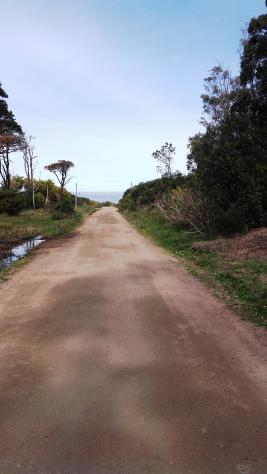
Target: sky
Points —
{"points": [[106, 83]]}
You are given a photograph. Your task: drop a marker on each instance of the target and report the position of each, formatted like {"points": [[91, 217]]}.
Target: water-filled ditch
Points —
{"points": [[11, 255]]}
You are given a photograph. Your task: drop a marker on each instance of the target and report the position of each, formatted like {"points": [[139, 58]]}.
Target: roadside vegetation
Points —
{"points": [[30, 207], [40, 222], [54, 216], [215, 217], [28, 224], [236, 268]]}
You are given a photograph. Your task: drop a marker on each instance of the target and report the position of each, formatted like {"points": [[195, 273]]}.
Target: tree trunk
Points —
{"points": [[5, 170]]}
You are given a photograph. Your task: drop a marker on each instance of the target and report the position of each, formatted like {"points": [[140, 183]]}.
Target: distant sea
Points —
{"points": [[113, 196]]}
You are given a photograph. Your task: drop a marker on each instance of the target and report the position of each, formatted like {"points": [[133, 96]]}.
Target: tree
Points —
{"points": [[10, 138], [211, 153], [229, 160], [8, 144], [220, 92], [8, 123], [254, 64], [60, 170], [29, 159], [165, 157], [253, 78]]}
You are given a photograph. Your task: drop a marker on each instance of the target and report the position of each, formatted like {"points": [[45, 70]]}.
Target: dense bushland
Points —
{"points": [[225, 191], [47, 196], [148, 193], [20, 193], [226, 188]]}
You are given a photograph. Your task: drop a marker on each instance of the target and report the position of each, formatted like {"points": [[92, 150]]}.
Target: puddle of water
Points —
{"points": [[19, 251]]}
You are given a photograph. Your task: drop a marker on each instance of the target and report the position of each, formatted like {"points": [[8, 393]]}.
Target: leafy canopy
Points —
{"points": [[60, 170]]}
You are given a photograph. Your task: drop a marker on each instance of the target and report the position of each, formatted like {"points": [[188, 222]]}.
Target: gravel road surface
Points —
{"points": [[115, 360]]}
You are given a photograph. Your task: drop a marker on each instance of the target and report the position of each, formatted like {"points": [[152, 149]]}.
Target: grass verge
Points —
{"points": [[31, 223], [241, 283], [28, 224]]}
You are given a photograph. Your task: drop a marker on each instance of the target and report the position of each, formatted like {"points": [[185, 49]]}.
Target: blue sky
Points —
{"points": [[105, 83]]}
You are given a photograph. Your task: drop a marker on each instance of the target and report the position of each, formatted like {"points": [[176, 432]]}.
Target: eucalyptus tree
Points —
{"points": [[165, 158], [30, 161], [220, 93], [229, 159]]}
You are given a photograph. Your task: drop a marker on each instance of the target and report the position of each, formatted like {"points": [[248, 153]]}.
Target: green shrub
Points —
{"points": [[229, 221], [145, 194], [53, 190], [64, 207], [39, 200], [12, 202]]}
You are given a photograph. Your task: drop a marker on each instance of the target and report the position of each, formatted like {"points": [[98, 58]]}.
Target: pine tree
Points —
{"points": [[11, 136]]}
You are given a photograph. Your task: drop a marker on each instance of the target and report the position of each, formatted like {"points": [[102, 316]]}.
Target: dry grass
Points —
{"points": [[240, 247]]}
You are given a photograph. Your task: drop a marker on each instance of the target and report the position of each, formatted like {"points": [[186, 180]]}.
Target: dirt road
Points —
{"points": [[115, 360]]}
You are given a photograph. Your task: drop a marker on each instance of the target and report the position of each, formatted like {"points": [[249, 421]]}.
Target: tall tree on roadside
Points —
{"points": [[254, 58], [253, 78], [229, 160], [11, 138], [165, 157], [220, 92], [61, 169], [211, 154]]}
